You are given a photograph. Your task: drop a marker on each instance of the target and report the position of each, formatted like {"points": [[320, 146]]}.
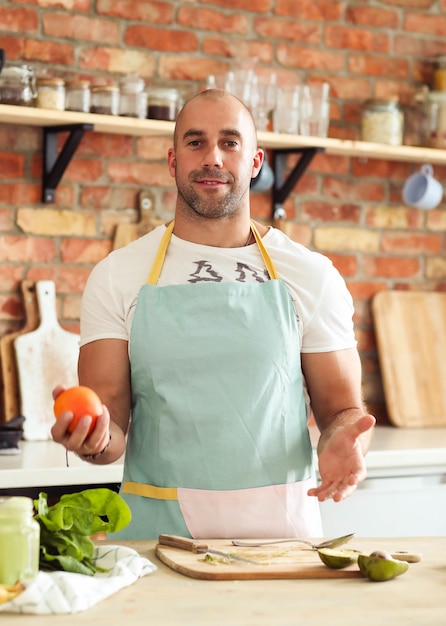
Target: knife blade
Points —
{"points": [[192, 545]]}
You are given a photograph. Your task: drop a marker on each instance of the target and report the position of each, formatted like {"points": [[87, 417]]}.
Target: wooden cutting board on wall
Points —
{"points": [[126, 233], [411, 336], [11, 393], [46, 357]]}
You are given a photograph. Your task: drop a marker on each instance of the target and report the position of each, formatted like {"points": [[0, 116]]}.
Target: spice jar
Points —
{"points": [[382, 121], [78, 96], [51, 93], [105, 100], [17, 84], [162, 103], [132, 97], [436, 119], [19, 541], [440, 74]]}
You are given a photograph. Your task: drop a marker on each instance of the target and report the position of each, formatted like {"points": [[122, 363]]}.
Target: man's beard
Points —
{"points": [[211, 207]]}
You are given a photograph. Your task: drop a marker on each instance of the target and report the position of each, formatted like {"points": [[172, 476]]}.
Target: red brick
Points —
{"points": [[346, 264], [140, 173], [73, 5], [393, 217], [10, 307], [153, 148], [410, 4], [372, 16], [18, 20], [378, 168], [49, 52], [429, 24], [84, 250], [68, 280], [99, 197], [308, 32], [135, 10], [329, 164], [416, 46], [323, 10], [411, 243], [106, 145], [161, 39], [14, 47], [15, 249], [6, 217], [27, 140], [378, 66], [225, 46], [11, 165], [353, 191], [361, 290], [390, 267], [80, 28], [356, 39], [22, 192], [254, 6], [309, 58], [208, 19], [189, 68], [329, 212], [349, 88], [10, 277], [84, 170]]}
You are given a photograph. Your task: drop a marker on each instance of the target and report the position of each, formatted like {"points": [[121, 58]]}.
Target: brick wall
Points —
{"points": [[349, 209]]}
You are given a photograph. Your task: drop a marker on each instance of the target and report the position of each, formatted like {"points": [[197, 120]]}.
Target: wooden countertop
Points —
{"points": [[166, 598]]}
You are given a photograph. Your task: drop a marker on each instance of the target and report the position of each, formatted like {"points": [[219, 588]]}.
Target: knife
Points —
{"points": [[183, 543]]}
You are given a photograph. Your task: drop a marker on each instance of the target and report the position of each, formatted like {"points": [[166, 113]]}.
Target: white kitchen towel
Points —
{"points": [[65, 592]]}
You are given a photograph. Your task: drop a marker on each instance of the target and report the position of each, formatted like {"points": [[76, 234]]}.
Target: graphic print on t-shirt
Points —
{"points": [[206, 273]]}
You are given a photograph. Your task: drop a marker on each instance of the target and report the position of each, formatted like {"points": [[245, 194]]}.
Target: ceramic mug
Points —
{"points": [[422, 190]]}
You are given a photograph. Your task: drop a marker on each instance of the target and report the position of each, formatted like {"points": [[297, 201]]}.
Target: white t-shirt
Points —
{"points": [[323, 304]]}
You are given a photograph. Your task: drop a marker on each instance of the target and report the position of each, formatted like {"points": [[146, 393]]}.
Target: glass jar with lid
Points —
{"points": [[382, 121], [78, 96], [436, 119], [105, 100], [440, 73], [17, 84], [19, 541], [51, 93], [163, 103], [132, 97]]}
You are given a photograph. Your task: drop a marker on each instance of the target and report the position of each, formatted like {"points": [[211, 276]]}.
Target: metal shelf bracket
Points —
{"points": [[54, 164], [283, 187]]}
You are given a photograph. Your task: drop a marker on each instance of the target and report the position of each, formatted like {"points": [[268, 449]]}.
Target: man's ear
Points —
{"points": [[171, 162], [257, 162]]}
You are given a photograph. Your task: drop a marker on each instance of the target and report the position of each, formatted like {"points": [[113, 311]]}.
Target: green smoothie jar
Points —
{"points": [[19, 541]]}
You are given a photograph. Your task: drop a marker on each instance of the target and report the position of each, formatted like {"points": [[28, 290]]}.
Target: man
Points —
{"points": [[209, 341]]}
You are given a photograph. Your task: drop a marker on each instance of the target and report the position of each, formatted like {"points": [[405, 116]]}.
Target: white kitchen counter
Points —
{"points": [[42, 463]]}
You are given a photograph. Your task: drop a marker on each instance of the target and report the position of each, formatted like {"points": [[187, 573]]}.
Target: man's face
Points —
{"points": [[215, 157]]}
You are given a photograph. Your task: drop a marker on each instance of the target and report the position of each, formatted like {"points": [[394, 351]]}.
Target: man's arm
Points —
{"points": [[334, 385], [104, 367]]}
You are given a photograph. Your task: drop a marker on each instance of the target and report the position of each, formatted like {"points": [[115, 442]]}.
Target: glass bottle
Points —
{"points": [[105, 100], [162, 103], [51, 93], [382, 121], [132, 97], [78, 96], [19, 541], [17, 84]]}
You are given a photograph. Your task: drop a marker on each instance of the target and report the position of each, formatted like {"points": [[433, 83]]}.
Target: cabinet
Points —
{"points": [[76, 124]]}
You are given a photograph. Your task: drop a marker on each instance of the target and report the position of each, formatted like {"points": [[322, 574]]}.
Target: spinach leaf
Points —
{"points": [[66, 527]]}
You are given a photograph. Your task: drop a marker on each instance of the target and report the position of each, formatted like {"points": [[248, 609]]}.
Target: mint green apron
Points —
{"points": [[218, 444]]}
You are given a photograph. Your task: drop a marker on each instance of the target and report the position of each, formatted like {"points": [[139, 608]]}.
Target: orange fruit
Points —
{"points": [[80, 401]]}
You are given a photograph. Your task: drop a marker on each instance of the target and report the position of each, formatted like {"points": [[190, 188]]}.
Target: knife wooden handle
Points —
{"points": [[184, 543]]}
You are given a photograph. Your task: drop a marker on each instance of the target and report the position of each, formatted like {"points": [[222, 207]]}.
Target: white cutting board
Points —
{"points": [[46, 357]]}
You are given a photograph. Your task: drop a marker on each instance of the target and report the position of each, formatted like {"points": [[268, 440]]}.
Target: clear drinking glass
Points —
{"points": [[263, 99], [315, 110], [286, 111]]}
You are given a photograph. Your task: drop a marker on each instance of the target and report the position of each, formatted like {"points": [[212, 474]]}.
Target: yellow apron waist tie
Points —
{"points": [[150, 491]]}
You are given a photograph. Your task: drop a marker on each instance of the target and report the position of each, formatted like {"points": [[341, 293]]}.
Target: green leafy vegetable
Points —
{"points": [[66, 527]]}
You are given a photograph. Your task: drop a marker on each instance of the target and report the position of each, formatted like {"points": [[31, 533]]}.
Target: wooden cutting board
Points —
{"points": [[274, 562], [11, 394], [126, 233], [46, 357], [411, 337]]}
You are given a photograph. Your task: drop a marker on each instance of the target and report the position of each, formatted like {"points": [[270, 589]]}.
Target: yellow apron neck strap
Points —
{"points": [[162, 249], [160, 255], [265, 256]]}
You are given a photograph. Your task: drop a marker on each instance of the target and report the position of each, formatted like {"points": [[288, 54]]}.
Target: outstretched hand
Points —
{"points": [[341, 460]]}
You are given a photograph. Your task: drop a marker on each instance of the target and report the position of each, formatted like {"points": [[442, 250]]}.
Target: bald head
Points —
{"points": [[223, 100]]}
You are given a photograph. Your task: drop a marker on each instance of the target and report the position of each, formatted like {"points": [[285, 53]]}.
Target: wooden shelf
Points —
{"points": [[30, 116]]}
